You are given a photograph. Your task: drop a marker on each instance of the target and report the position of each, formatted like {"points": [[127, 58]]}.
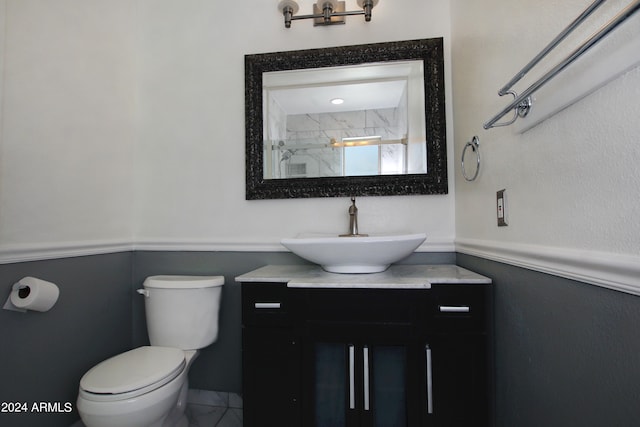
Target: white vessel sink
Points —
{"points": [[370, 254]]}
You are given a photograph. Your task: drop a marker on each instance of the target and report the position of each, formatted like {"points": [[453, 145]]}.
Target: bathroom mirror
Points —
{"points": [[353, 120]]}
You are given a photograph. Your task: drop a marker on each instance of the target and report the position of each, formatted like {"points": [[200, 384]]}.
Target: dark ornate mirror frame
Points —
{"points": [[432, 182]]}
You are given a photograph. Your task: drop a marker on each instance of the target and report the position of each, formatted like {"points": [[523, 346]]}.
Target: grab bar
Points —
{"points": [[585, 46]]}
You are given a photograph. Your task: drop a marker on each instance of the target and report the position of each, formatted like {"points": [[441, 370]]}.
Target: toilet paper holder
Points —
{"points": [[32, 294]]}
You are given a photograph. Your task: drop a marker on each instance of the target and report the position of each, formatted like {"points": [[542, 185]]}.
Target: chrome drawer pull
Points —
{"points": [[266, 305], [365, 356], [429, 380], [454, 308], [352, 377]]}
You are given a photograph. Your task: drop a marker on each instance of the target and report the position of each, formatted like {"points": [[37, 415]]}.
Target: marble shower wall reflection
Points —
{"points": [[306, 150]]}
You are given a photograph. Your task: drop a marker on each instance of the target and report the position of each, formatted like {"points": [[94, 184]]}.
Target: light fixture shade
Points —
{"points": [[293, 4], [361, 3], [321, 3]]}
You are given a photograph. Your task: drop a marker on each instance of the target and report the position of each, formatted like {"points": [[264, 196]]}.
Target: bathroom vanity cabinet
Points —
{"points": [[407, 347]]}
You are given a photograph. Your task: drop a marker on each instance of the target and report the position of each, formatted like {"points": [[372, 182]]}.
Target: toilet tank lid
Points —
{"points": [[183, 282], [134, 369]]}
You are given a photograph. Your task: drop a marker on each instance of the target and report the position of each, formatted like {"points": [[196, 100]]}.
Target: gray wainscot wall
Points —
{"points": [[44, 355], [566, 353]]}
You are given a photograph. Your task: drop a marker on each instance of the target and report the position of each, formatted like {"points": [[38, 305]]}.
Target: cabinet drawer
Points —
{"points": [[358, 306], [265, 304], [458, 308]]}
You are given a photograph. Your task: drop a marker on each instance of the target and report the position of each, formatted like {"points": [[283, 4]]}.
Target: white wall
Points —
{"points": [[3, 7], [572, 181], [124, 123], [190, 173], [68, 113]]}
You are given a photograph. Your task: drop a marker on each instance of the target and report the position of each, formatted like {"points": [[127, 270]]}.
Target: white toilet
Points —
{"points": [[147, 386]]}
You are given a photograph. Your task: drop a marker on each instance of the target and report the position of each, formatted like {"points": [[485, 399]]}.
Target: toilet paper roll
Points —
{"points": [[34, 294]]}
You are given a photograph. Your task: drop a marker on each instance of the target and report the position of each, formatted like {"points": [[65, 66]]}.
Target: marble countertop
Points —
{"points": [[395, 277]]}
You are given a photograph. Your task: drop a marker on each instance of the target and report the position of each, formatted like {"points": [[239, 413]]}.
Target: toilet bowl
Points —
{"points": [[147, 386]]}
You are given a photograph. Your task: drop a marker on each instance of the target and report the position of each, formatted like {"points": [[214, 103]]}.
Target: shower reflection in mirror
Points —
{"points": [[344, 128], [347, 156]]}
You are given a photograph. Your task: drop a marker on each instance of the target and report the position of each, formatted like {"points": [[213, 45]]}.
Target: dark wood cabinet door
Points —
{"points": [[271, 377], [367, 358], [457, 393], [359, 376]]}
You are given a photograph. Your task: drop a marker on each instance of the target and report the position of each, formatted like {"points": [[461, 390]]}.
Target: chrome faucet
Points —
{"points": [[353, 221]]}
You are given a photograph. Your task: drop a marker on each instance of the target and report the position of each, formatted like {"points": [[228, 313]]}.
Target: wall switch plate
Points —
{"points": [[501, 197]]}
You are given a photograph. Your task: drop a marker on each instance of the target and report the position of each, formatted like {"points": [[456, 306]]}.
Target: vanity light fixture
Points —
{"points": [[325, 12]]}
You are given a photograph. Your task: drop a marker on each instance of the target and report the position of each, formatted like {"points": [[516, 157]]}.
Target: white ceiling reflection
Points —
{"points": [[363, 87], [357, 97]]}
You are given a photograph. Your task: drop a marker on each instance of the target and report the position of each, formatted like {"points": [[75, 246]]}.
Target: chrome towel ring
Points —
{"points": [[475, 147]]}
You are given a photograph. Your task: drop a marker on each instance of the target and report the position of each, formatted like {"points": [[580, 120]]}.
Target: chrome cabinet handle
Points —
{"points": [[267, 305], [454, 308], [365, 356], [429, 380], [352, 377]]}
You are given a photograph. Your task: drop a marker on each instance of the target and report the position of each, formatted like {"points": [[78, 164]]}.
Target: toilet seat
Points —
{"points": [[132, 373]]}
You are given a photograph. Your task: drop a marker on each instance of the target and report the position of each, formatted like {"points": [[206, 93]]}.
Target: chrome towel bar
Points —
{"points": [[521, 103], [555, 42]]}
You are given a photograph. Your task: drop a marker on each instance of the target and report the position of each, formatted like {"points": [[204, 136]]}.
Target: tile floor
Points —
{"points": [[210, 409], [214, 409]]}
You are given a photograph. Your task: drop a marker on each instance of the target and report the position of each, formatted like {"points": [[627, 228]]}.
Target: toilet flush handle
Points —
{"points": [[143, 292]]}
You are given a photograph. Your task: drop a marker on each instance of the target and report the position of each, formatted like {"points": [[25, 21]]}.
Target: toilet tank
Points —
{"points": [[182, 311]]}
